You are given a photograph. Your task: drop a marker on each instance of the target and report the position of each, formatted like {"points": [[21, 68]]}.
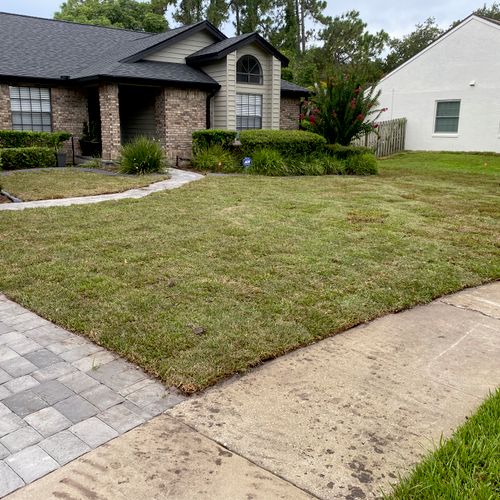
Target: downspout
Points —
{"points": [[207, 107]]}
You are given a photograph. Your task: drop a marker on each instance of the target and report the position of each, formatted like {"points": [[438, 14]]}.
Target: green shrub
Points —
{"points": [[25, 139], [286, 142], [344, 152], [364, 164], [267, 161], [31, 157], [215, 159], [141, 156], [203, 139]]}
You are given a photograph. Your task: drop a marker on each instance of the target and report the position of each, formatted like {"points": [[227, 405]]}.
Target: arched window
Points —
{"points": [[248, 70]]}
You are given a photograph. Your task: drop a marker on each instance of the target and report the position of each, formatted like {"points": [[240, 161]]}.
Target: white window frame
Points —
{"points": [[436, 118], [252, 111], [31, 108]]}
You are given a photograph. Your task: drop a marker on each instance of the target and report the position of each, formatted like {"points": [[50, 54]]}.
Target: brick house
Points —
{"points": [[56, 75]]}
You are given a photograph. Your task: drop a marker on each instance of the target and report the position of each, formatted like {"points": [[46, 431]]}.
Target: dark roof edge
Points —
{"points": [[295, 93], [108, 78], [81, 24], [252, 38], [195, 28]]}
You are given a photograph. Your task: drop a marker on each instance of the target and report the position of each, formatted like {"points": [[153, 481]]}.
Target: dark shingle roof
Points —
{"points": [[38, 48], [221, 49], [293, 89]]}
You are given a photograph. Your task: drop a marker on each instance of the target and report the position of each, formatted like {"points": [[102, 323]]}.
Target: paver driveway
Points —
{"points": [[61, 396]]}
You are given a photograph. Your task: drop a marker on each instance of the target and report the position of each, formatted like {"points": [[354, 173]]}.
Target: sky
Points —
{"points": [[395, 17]]}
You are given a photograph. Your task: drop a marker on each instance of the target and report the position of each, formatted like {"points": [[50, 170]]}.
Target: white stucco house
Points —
{"points": [[450, 91]]}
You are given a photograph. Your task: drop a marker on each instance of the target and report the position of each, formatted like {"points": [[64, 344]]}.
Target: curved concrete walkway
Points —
{"points": [[177, 179]]}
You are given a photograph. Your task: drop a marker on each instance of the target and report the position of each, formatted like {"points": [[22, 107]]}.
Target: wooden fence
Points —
{"points": [[389, 139]]}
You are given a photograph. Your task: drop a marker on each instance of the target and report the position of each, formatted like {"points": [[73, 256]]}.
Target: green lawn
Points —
{"points": [[208, 280], [29, 185], [467, 466]]}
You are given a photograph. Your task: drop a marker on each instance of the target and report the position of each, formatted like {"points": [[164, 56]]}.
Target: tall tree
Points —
{"points": [[493, 11], [189, 12], [405, 48], [129, 14], [217, 12]]}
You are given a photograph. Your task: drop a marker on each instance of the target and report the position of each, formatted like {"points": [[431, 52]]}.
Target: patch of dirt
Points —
{"points": [[4, 199]]}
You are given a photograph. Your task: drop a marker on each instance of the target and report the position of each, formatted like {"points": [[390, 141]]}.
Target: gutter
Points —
{"points": [[207, 107]]}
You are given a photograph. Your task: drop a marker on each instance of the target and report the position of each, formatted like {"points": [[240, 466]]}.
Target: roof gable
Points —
{"points": [[440, 39], [223, 48]]}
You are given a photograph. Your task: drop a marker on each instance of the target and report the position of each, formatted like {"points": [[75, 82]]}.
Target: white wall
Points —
{"points": [[444, 71]]}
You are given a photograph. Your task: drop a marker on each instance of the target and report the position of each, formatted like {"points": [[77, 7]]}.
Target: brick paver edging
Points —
{"points": [[177, 179], [62, 396]]}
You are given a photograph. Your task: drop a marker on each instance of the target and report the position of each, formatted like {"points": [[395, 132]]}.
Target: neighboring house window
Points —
{"points": [[248, 111], [30, 108], [248, 70], [447, 114]]}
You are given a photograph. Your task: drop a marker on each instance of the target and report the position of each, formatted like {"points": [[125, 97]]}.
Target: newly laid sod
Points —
{"points": [[48, 184], [465, 466], [208, 280]]}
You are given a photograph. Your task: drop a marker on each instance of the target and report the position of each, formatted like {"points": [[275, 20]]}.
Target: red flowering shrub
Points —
{"points": [[341, 109]]}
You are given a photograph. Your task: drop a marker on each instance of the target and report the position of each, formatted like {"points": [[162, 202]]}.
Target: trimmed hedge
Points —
{"points": [[343, 152], [364, 164], [31, 157], [204, 139], [286, 142], [25, 139]]}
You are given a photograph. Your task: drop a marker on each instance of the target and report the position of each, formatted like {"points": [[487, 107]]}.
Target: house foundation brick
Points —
{"points": [[289, 113], [69, 111], [5, 115], [110, 121], [179, 112]]}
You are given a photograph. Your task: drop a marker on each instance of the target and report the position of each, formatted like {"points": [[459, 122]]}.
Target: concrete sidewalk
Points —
{"points": [[177, 179], [339, 419]]}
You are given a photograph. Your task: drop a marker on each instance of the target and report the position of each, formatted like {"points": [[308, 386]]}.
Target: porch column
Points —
{"points": [[110, 121]]}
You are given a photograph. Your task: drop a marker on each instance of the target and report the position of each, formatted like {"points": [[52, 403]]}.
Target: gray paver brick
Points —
{"points": [[76, 408], [4, 410], [102, 397], [80, 352], [4, 392], [4, 376], [78, 381], [64, 447], [3, 327], [9, 423], [20, 384], [52, 391], [94, 361], [31, 463], [121, 380], [20, 439], [7, 353], [25, 346], [9, 480], [66, 345], [121, 418], [152, 393], [53, 371], [18, 317], [135, 387], [10, 337], [17, 367], [4, 452], [94, 432], [24, 403], [48, 421], [43, 358]]}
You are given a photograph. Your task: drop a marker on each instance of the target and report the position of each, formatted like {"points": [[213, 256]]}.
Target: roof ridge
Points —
{"points": [[84, 24]]}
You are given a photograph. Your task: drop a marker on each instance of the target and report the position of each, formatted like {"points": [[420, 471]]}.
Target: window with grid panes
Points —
{"points": [[447, 114], [248, 70], [248, 111], [30, 107]]}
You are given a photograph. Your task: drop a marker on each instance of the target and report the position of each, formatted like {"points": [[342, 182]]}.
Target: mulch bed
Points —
{"points": [[4, 199]]}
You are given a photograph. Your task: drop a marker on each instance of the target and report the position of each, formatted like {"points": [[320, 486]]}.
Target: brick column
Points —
{"points": [[69, 111], [110, 121], [5, 115], [179, 112], [289, 113]]}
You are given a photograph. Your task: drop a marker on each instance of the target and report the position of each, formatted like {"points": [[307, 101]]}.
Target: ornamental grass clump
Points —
{"points": [[214, 158], [267, 161], [341, 110], [141, 156]]}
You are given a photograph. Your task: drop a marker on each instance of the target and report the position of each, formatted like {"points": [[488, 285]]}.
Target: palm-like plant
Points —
{"points": [[341, 110]]}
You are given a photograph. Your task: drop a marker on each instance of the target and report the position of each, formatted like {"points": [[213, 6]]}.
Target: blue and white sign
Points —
{"points": [[246, 162]]}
